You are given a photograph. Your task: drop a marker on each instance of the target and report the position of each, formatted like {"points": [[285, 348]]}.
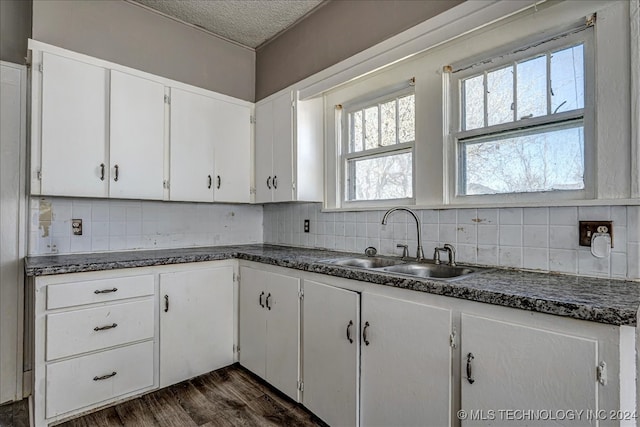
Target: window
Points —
{"points": [[377, 153], [521, 126]]}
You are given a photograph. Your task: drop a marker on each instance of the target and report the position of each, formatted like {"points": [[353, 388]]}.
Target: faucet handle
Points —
{"points": [[405, 250]]}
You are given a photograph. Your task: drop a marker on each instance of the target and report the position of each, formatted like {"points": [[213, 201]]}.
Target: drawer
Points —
{"points": [[93, 291], [76, 383], [79, 331]]}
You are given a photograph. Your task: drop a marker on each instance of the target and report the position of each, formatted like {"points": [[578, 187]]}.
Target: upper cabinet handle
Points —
{"points": [[260, 299], [101, 171], [267, 301], [210, 182], [166, 303], [275, 182], [117, 173], [219, 182], [269, 183]]}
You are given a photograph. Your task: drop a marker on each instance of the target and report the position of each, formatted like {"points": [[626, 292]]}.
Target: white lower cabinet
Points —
{"points": [[510, 370], [406, 363], [196, 323], [331, 351], [85, 380], [270, 327]]}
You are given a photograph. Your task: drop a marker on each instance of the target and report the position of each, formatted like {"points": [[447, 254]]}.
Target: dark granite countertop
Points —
{"points": [[609, 301]]}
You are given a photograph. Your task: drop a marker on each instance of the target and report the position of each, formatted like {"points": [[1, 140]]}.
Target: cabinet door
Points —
{"points": [[253, 322], [283, 333], [74, 128], [196, 323], [521, 368], [331, 353], [264, 152], [406, 363], [283, 149], [137, 137], [232, 153], [191, 147]]}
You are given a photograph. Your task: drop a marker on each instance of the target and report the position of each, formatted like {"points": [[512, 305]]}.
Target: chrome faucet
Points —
{"points": [[446, 248], [419, 253]]}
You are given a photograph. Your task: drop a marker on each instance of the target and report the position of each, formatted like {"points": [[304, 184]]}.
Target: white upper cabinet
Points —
{"points": [[74, 128], [136, 137], [191, 142], [210, 149], [288, 147]]}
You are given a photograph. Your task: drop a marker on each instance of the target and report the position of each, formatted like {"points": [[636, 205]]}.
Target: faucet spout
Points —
{"points": [[419, 252]]}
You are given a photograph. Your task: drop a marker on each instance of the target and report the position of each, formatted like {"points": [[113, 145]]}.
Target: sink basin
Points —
{"points": [[371, 262], [430, 270]]}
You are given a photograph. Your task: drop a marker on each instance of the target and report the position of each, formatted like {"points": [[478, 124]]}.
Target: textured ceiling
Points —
{"points": [[248, 22]]}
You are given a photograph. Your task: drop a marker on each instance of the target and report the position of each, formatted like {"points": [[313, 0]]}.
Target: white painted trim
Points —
{"points": [[21, 230], [444, 27], [634, 12], [38, 46]]}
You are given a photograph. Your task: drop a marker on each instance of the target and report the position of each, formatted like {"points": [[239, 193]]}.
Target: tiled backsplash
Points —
{"points": [[543, 239], [110, 225]]}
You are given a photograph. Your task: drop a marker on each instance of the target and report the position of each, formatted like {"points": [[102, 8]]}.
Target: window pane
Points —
{"points": [[407, 118], [388, 122], [473, 115], [532, 87], [500, 96], [371, 128], [567, 79], [356, 132], [539, 160], [387, 177]]}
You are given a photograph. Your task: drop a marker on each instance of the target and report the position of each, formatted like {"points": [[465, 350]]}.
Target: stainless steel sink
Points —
{"points": [[430, 270], [370, 262]]}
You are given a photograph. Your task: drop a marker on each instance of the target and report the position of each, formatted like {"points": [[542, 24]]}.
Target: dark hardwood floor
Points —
{"points": [[230, 396], [15, 414]]}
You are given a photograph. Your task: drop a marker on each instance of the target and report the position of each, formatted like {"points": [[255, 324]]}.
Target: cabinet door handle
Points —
{"points": [[117, 168], [275, 182], [104, 328], [364, 333], [166, 303], [219, 182], [105, 377], [469, 373], [105, 291], [260, 300], [210, 182], [101, 171], [269, 183], [267, 301], [349, 331]]}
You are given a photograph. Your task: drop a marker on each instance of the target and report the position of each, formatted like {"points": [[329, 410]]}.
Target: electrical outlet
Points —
{"points": [[76, 227], [306, 225], [587, 228]]}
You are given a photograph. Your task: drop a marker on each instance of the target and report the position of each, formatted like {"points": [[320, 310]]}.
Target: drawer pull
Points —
{"points": [[104, 328], [105, 377], [105, 291]]}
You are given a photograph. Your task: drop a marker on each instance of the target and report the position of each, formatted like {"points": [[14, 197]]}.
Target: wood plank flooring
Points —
{"points": [[230, 396], [15, 414]]}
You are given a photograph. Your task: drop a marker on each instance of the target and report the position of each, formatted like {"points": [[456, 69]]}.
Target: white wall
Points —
{"points": [[543, 239], [115, 225]]}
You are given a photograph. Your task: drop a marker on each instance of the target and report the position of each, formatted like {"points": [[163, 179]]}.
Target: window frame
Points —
{"points": [[360, 104], [520, 52]]}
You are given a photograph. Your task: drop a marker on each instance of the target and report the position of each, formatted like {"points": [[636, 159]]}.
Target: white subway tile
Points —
{"points": [[510, 256], [487, 234], [510, 235], [594, 213], [468, 216], [633, 224], [448, 216], [589, 265], [448, 233], [467, 234], [619, 265], [563, 216], [633, 261], [536, 216], [429, 216], [465, 254], [510, 216], [619, 215], [536, 259], [400, 231], [487, 216], [487, 255], [563, 261], [563, 236], [536, 236]]}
